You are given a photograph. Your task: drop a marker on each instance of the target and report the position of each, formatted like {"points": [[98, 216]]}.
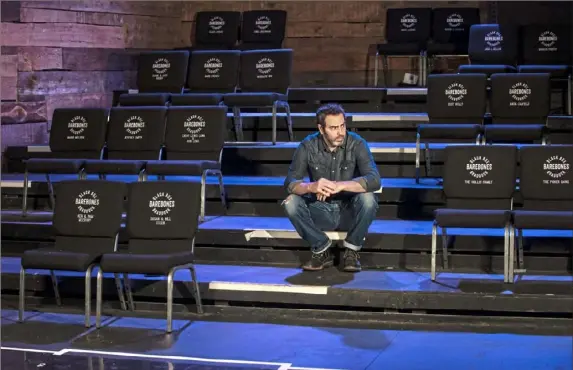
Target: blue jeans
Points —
{"points": [[312, 218]]}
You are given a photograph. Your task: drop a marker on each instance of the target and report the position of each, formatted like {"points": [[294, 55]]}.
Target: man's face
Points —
{"points": [[334, 130]]}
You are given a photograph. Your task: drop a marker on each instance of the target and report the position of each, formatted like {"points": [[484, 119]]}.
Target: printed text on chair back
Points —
{"points": [[195, 130], [520, 96], [266, 70], [408, 25], [547, 176], [217, 28], [480, 176], [163, 210], [79, 130], [493, 44], [214, 71], [136, 132], [162, 71], [264, 27], [547, 44], [452, 25], [457, 96]]}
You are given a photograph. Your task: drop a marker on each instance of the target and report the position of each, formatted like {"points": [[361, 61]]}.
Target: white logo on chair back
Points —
{"points": [[456, 92], [263, 25], [493, 40], [193, 126], [86, 201], [133, 126], [454, 22], [520, 93], [265, 66], [160, 69], [212, 67], [216, 25], [547, 40], [161, 205], [556, 167], [408, 23], [77, 126], [479, 167]]}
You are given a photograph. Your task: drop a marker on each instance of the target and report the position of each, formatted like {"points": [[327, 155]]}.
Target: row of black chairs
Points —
{"points": [[480, 187], [161, 141], [161, 224], [457, 105]]}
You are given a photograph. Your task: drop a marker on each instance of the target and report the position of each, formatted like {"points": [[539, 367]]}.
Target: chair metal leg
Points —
{"points": [[274, 123], [222, 193], [25, 195], [127, 286], [376, 56], [203, 197], [569, 108], [427, 158], [119, 292], [238, 123], [289, 121], [51, 192], [417, 158], [385, 70], [88, 296], [170, 301], [445, 248], [434, 250], [21, 295], [55, 286], [198, 301], [520, 259], [506, 253], [98, 297], [511, 257]]}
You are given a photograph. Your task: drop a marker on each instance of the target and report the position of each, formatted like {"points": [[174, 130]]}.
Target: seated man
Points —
{"points": [[340, 194]]}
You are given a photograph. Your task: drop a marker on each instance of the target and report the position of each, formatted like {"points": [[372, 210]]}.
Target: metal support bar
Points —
{"points": [[127, 286], [434, 250], [55, 286], [445, 257]]}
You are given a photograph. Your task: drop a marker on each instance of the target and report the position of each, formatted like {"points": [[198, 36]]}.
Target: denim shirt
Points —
{"points": [[351, 161]]}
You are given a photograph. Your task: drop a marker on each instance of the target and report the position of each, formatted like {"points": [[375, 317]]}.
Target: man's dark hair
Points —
{"points": [[331, 109]]}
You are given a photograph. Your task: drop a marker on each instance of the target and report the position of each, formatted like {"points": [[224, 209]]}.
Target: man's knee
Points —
{"points": [[292, 204], [366, 201]]}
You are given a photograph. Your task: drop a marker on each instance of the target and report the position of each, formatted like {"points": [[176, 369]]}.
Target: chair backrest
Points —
{"points": [[162, 216], [87, 215], [493, 44], [457, 98], [546, 44], [214, 71], [78, 132], [217, 29], [520, 97], [143, 99], [480, 176], [266, 70], [408, 25], [162, 71], [263, 29], [452, 25], [136, 132], [195, 132], [546, 181]]}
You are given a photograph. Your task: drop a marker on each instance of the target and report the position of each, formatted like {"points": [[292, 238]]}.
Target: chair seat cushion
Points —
{"points": [[133, 263], [54, 165], [143, 99], [446, 49], [478, 218], [180, 167], [517, 133], [248, 99], [449, 131], [556, 71], [53, 259], [196, 99], [554, 220], [399, 49], [487, 69], [114, 166]]}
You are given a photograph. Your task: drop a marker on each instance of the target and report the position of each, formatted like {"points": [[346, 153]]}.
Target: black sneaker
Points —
{"points": [[319, 261], [351, 261]]}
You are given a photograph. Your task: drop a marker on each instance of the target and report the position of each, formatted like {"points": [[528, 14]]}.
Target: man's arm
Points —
{"points": [[369, 181], [296, 172]]}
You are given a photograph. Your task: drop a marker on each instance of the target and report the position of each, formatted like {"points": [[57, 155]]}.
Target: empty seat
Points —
{"points": [[135, 134], [456, 106], [479, 182], [143, 99], [263, 29], [161, 227], [76, 134], [216, 30], [211, 74], [264, 81], [194, 141], [547, 49], [546, 187], [520, 104], [407, 33], [86, 223], [492, 49]]}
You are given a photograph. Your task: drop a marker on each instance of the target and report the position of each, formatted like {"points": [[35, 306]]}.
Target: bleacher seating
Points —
{"points": [[546, 188], [263, 29], [161, 226], [519, 107], [456, 107], [479, 185], [264, 80], [86, 223]]}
